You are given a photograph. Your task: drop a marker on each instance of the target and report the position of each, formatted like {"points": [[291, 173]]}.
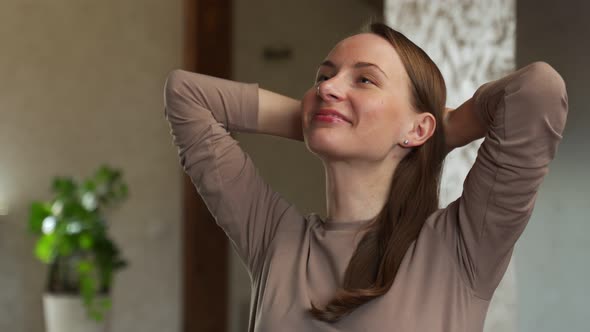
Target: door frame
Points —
{"points": [[207, 49]]}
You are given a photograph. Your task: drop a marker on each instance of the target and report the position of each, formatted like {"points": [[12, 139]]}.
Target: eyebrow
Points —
{"points": [[361, 64]]}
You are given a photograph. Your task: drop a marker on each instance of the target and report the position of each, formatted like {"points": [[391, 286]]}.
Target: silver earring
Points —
{"points": [[406, 142], [317, 90]]}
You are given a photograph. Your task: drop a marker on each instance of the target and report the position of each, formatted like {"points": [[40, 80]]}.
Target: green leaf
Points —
{"points": [[123, 191], [38, 212], [96, 315], [45, 248], [67, 245], [85, 267], [106, 304], [86, 241], [64, 186], [74, 209], [87, 288], [89, 185]]}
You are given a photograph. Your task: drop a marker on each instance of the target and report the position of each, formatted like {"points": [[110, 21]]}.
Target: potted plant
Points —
{"points": [[73, 240]]}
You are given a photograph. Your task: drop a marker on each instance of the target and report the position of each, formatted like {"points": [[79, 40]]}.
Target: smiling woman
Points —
{"points": [[385, 255], [397, 96]]}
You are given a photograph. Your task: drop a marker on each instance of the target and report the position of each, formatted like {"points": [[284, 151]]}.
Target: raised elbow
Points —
{"points": [[175, 86], [541, 93], [536, 111], [541, 80]]}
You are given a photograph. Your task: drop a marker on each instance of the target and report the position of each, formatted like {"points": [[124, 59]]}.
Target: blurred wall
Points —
{"points": [[81, 84], [553, 265]]}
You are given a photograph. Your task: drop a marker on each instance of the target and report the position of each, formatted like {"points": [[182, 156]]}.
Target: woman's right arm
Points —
{"points": [[279, 115], [201, 110]]}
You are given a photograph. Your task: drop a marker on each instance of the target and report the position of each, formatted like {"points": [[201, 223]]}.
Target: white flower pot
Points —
{"points": [[66, 313]]}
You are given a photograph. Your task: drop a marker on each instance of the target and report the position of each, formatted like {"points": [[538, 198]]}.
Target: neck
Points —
{"points": [[357, 191]]}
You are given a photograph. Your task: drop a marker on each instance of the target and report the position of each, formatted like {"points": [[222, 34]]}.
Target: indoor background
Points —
{"points": [[81, 84]]}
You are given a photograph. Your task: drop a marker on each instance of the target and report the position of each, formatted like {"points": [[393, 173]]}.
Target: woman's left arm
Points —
{"points": [[462, 126], [522, 117]]}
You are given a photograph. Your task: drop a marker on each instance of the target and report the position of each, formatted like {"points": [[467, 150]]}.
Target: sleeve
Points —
{"points": [[525, 113], [201, 110]]}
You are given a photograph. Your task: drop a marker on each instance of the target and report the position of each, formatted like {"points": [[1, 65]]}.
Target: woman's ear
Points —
{"points": [[423, 127]]}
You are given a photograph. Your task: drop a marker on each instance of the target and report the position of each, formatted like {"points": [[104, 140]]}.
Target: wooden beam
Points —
{"points": [[207, 50]]}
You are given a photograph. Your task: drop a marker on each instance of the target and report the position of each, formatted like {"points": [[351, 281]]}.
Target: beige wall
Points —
{"points": [[553, 268], [81, 84]]}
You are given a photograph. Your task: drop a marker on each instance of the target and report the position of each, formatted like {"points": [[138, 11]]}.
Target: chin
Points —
{"points": [[326, 145]]}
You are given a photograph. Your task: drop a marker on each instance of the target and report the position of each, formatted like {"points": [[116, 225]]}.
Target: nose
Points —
{"points": [[329, 90]]}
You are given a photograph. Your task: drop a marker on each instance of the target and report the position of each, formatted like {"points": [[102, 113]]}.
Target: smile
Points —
{"points": [[330, 116]]}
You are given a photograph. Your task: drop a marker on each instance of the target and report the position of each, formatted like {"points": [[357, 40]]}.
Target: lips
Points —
{"points": [[332, 113]]}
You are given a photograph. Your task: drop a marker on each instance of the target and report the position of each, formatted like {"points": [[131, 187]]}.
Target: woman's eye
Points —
{"points": [[366, 80], [321, 78]]}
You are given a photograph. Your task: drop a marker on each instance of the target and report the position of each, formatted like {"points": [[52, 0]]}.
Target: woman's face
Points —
{"points": [[364, 80]]}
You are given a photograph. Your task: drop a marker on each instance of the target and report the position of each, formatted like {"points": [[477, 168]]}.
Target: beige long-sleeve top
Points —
{"points": [[449, 273]]}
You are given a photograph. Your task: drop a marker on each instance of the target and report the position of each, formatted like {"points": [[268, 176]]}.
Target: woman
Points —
{"points": [[385, 258]]}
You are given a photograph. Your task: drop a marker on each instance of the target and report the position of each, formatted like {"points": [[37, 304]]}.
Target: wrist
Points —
{"points": [[448, 130], [462, 125]]}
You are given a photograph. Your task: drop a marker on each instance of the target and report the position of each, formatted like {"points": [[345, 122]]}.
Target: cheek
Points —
{"points": [[308, 104], [380, 124]]}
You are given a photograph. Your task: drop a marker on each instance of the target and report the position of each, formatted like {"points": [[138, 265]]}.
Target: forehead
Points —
{"points": [[367, 47]]}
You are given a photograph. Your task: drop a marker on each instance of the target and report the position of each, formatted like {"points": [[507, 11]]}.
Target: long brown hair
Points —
{"points": [[413, 196]]}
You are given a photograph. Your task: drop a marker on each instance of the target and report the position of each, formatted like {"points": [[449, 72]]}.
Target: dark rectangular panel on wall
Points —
{"points": [[207, 50]]}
